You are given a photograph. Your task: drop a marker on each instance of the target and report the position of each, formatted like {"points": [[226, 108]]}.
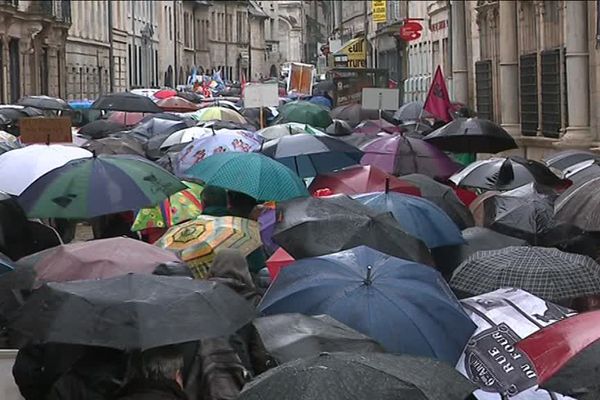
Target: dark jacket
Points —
{"points": [[140, 389]]}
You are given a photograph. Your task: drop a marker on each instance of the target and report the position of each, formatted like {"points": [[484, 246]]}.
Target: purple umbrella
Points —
{"points": [[400, 155], [267, 220]]}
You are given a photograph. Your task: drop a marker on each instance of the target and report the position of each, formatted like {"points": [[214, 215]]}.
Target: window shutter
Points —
{"points": [[529, 96], [484, 89]]}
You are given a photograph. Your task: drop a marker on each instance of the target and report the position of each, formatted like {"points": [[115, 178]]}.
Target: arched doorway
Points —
{"points": [[169, 76], [273, 71]]}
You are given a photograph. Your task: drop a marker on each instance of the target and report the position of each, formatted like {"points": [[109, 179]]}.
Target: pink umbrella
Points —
{"points": [[126, 118]]}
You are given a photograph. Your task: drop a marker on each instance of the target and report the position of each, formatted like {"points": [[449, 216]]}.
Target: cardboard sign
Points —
{"points": [[45, 130], [380, 99], [301, 78], [261, 95]]}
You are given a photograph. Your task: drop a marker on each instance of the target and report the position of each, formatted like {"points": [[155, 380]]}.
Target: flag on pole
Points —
{"points": [[438, 101]]}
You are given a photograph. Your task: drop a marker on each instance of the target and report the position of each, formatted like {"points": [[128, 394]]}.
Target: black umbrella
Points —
{"points": [[310, 227], [311, 155], [252, 115], [579, 205], [324, 86], [100, 128], [353, 113], [8, 146], [153, 132], [127, 102], [113, 145], [582, 172], [472, 135], [444, 197], [216, 125], [45, 103], [567, 158], [505, 174], [288, 337], [168, 161], [12, 114], [347, 376], [190, 96], [131, 312], [339, 127], [544, 272], [163, 115]]}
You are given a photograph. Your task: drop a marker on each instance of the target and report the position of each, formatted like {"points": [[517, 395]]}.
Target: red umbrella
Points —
{"points": [[165, 93], [361, 179], [125, 118], [177, 104], [277, 261]]}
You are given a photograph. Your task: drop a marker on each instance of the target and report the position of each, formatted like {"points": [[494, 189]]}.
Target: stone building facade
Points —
{"points": [[32, 48]]}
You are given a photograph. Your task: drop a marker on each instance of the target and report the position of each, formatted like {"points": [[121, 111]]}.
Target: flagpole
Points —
{"points": [[418, 121]]}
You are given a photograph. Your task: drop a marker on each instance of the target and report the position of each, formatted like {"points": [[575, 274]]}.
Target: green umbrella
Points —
{"points": [[90, 187], [304, 113], [254, 174]]}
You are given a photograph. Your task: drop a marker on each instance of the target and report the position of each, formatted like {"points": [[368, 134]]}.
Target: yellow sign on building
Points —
{"points": [[379, 8], [352, 54]]}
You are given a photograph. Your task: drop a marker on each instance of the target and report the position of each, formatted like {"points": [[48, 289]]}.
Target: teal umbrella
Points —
{"points": [[254, 174], [305, 113], [99, 185]]}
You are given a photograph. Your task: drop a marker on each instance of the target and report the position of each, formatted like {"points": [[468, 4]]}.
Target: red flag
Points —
{"points": [[438, 102]]}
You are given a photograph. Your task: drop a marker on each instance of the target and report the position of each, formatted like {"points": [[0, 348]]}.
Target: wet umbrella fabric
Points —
{"points": [[582, 172], [444, 197], [20, 168], [471, 135], [565, 355], [127, 102], [288, 337], [218, 113], [113, 145], [412, 111], [165, 94], [310, 155], [100, 128], [339, 128], [505, 174], [132, 312], [101, 185], [45, 103], [545, 272], [479, 239], [400, 155], [353, 114], [342, 376], [361, 179], [373, 292], [418, 217], [578, 205], [374, 126], [177, 104], [291, 128], [305, 113], [253, 174], [317, 226], [567, 158]]}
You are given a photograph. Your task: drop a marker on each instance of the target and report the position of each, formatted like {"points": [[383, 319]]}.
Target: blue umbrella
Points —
{"points": [[419, 217], [405, 306], [321, 101]]}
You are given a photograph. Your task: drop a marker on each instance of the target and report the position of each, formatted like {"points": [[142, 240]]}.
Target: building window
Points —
{"points": [[529, 94], [551, 93], [484, 89]]}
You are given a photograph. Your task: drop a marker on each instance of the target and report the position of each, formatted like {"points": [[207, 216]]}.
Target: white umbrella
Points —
{"points": [[186, 135], [21, 167]]}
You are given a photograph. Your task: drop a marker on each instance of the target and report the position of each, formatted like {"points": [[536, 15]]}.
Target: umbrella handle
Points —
{"points": [[368, 280], [387, 185]]}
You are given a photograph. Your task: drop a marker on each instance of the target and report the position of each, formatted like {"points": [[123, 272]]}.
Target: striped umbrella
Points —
{"points": [[99, 185], [196, 242]]}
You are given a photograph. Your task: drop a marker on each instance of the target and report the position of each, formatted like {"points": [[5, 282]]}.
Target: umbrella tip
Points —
{"points": [[387, 186], [368, 280]]}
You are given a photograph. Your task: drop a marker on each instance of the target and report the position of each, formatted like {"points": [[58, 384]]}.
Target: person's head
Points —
{"points": [[213, 196], [240, 204], [162, 363]]}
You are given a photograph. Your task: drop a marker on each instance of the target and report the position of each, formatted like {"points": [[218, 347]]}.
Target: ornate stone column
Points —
{"points": [[459, 53], [509, 74], [578, 82]]}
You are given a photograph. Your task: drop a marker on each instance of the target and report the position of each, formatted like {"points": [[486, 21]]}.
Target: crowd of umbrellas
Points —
{"points": [[394, 272]]}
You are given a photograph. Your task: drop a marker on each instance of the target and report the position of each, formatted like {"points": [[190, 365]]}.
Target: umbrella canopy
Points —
{"points": [[278, 260], [374, 126], [505, 174], [165, 94], [584, 171], [197, 241], [339, 128], [280, 130], [153, 132], [131, 312], [472, 135], [253, 174], [545, 272], [95, 186], [353, 114], [310, 155], [361, 179], [578, 205], [45, 103], [218, 113], [96, 259], [223, 141], [217, 124], [342, 376], [113, 145], [505, 316], [479, 239], [100, 128], [289, 337], [411, 111], [372, 292], [567, 158], [565, 355], [418, 217], [127, 102], [324, 86], [20, 168], [442, 196], [304, 112], [416, 128], [177, 104], [190, 134], [125, 118], [6, 146], [179, 207], [316, 226], [190, 96], [401, 155]]}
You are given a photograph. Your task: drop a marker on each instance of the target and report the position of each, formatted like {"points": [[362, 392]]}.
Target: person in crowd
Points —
{"points": [[113, 225], [240, 204], [157, 375], [214, 201]]}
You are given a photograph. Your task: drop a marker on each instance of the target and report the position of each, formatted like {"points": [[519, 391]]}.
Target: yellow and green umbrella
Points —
{"points": [[179, 207], [218, 113], [197, 241]]}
